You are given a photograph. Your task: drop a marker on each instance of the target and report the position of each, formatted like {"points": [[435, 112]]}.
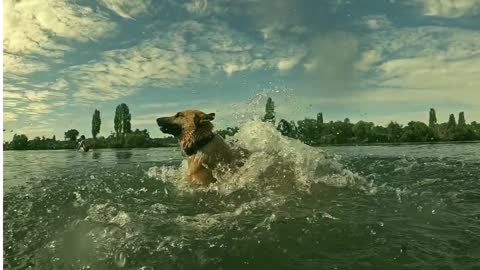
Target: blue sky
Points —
{"points": [[373, 60]]}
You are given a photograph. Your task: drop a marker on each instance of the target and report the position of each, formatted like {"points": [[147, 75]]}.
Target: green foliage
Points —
{"points": [[96, 123], [269, 111], [122, 119], [287, 128], [451, 122], [19, 142], [313, 132], [417, 132], [320, 118], [432, 121], [71, 134], [137, 139], [309, 131], [461, 120], [394, 132], [363, 131]]}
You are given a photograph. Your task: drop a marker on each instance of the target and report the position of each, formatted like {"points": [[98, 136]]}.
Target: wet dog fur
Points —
{"points": [[205, 150]]}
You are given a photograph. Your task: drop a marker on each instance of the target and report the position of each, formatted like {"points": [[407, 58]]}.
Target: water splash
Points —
{"points": [[275, 161]]}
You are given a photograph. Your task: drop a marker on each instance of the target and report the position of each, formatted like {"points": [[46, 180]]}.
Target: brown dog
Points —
{"points": [[205, 150]]}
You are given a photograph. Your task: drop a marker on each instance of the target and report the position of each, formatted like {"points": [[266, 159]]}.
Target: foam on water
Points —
{"points": [[275, 161]]}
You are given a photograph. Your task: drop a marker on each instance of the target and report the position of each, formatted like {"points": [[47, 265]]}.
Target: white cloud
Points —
{"points": [[33, 26], [289, 63], [426, 65], [22, 65], [36, 96], [450, 8], [197, 7], [368, 60], [376, 22], [181, 54], [8, 95], [128, 9], [35, 109], [33, 101], [9, 117], [433, 78], [124, 72]]}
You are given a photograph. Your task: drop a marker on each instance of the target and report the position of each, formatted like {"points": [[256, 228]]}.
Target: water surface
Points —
{"points": [[291, 207]]}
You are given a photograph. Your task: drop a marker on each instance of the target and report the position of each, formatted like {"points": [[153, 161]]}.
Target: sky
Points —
{"points": [[376, 60]]}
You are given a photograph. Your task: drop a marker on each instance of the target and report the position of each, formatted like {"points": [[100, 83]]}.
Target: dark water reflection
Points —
{"points": [[20, 166], [99, 210]]}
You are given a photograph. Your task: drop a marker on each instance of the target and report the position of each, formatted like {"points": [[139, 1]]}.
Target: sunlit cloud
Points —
{"points": [[9, 116], [66, 57], [450, 9], [33, 26], [129, 9], [18, 65], [168, 61]]}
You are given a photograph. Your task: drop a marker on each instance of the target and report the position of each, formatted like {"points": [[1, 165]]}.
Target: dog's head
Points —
{"points": [[189, 120]]}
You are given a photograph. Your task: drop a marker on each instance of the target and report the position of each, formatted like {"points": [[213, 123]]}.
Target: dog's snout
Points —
{"points": [[161, 121]]}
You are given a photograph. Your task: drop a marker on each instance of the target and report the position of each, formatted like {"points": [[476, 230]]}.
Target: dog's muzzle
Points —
{"points": [[166, 126]]}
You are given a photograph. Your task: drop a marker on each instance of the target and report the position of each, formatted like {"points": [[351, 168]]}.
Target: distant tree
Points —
{"points": [[309, 131], [71, 135], [464, 133], [433, 118], [338, 132], [451, 122], [138, 138], [35, 144], [320, 118], [122, 119], [347, 120], [362, 131], [285, 128], [417, 132], [394, 132], [476, 129], [19, 142], [269, 111], [461, 120], [96, 122], [54, 139], [379, 134]]}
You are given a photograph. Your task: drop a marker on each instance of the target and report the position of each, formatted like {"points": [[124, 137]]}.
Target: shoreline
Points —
{"points": [[74, 149], [399, 144], [317, 145]]}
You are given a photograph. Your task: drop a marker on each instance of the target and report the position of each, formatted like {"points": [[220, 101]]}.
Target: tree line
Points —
{"points": [[310, 131], [317, 132], [123, 137]]}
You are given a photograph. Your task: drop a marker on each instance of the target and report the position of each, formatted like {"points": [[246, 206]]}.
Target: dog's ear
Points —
{"points": [[207, 117]]}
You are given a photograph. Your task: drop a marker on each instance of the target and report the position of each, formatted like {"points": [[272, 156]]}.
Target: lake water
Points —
{"points": [[290, 207]]}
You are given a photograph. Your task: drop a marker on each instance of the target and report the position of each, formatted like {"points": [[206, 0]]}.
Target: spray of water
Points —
{"points": [[275, 161]]}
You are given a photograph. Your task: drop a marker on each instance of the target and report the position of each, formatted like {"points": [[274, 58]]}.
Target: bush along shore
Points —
{"points": [[313, 132]]}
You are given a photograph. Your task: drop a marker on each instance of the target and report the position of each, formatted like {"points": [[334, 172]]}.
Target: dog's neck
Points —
{"points": [[192, 141]]}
